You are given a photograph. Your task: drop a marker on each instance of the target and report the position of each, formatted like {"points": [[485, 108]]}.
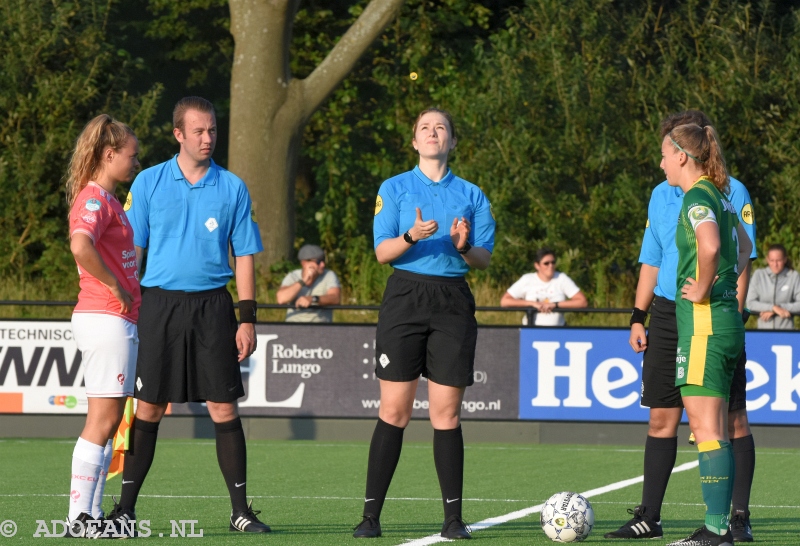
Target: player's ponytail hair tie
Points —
{"points": [[678, 146]]}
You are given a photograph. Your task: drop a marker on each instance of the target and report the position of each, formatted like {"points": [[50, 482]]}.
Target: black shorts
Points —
{"points": [[187, 347], [658, 372], [427, 327]]}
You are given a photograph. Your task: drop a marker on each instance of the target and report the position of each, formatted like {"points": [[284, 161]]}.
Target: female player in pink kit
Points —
{"points": [[104, 320]]}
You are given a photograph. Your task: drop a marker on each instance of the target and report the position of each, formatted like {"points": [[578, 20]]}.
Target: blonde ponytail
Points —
{"points": [[100, 133], [701, 144]]}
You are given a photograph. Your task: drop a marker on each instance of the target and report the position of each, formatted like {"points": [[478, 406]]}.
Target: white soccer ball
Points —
{"points": [[567, 517]]}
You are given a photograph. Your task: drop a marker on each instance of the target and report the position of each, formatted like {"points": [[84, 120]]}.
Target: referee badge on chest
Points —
{"points": [[211, 224]]}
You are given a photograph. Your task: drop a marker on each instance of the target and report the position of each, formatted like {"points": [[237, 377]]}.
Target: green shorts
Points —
{"points": [[708, 361]]}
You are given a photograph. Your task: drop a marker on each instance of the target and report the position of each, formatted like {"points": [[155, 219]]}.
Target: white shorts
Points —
{"points": [[109, 346]]}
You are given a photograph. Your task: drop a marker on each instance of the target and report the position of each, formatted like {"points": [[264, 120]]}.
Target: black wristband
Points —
{"points": [[638, 316], [464, 250], [247, 311]]}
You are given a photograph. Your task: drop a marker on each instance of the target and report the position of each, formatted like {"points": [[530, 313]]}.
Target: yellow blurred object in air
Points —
{"points": [[413, 75]]}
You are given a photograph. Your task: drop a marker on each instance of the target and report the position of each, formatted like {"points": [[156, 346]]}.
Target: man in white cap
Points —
{"points": [[310, 289]]}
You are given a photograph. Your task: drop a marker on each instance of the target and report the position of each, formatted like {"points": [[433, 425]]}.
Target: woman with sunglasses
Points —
{"points": [[547, 290]]}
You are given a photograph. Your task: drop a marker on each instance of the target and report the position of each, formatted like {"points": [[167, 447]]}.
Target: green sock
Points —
{"points": [[716, 481]]}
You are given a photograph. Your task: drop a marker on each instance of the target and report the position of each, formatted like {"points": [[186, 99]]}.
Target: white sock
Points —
{"points": [[97, 503], [87, 462]]}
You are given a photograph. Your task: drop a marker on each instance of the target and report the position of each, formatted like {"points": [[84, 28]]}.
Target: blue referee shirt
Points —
{"points": [[188, 228], [451, 197], [658, 246]]}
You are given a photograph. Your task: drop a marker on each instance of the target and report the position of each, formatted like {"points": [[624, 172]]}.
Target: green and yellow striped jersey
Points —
{"points": [[720, 314]]}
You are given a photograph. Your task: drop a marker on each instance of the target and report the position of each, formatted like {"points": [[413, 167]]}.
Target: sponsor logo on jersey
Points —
{"points": [[378, 205], [89, 218], [727, 206], [211, 224], [128, 202], [92, 205], [384, 360], [747, 214]]}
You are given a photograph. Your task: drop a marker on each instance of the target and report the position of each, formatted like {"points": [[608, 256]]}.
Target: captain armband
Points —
{"points": [[247, 311]]}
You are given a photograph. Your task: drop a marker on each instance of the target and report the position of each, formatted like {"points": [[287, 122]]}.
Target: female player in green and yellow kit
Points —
{"points": [[712, 248]]}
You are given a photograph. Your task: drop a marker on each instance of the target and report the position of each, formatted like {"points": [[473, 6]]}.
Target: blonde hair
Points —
{"points": [[100, 133], [702, 145]]}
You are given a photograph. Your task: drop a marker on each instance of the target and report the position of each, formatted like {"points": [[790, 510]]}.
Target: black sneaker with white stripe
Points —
{"points": [[704, 537], [245, 521], [123, 520], [640, 526]]}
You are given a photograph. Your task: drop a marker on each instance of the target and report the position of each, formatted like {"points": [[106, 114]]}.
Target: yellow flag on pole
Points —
{"points": [[121, 440]]}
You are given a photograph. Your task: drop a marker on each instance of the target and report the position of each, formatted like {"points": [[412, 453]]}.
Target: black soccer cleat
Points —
{"points": [[246, 521], [84, 526], [740, 528], [455, 528], [639, 526], [123, 522], [369, 527], [704, 537]]}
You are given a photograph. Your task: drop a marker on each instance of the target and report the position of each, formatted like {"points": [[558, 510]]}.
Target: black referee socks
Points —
{"points": [[232, 458], [384, 453], [448, 454], [138, 459], [659, 459], [744, 457]]}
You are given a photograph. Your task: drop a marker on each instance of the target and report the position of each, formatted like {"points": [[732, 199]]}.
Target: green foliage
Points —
{"points": [[58, 71], [557, 112], [557, 106]]}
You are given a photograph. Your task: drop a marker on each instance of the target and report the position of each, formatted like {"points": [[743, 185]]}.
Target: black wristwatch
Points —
{"points": [[407, 238], [464, 250], [314, 300]]}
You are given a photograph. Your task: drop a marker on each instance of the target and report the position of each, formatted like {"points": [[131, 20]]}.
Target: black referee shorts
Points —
{"points": [[658, 372], [427, 327], [187, 347]]}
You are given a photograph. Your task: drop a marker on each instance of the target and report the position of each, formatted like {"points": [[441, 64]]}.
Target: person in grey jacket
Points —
{"points": [[775, 292]]}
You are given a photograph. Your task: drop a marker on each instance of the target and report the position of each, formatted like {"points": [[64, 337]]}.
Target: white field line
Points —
{"points": [[505, 518], [413, 499]]}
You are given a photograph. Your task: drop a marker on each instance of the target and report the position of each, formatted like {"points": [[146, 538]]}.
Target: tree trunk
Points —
{"points": [[269, 109]]}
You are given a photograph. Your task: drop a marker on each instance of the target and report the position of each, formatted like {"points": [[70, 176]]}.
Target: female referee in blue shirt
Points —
{"points": [[431, 226]]}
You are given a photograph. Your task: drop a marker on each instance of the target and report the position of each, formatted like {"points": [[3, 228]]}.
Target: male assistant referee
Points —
{"points": [[188, 212]]}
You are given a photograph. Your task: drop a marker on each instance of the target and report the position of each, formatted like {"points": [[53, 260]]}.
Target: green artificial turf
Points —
{"points": [[312, 492]]}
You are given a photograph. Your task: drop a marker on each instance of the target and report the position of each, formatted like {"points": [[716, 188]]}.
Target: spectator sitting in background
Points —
{"points": [[547, 290], [775, 292], [310, 288]]}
